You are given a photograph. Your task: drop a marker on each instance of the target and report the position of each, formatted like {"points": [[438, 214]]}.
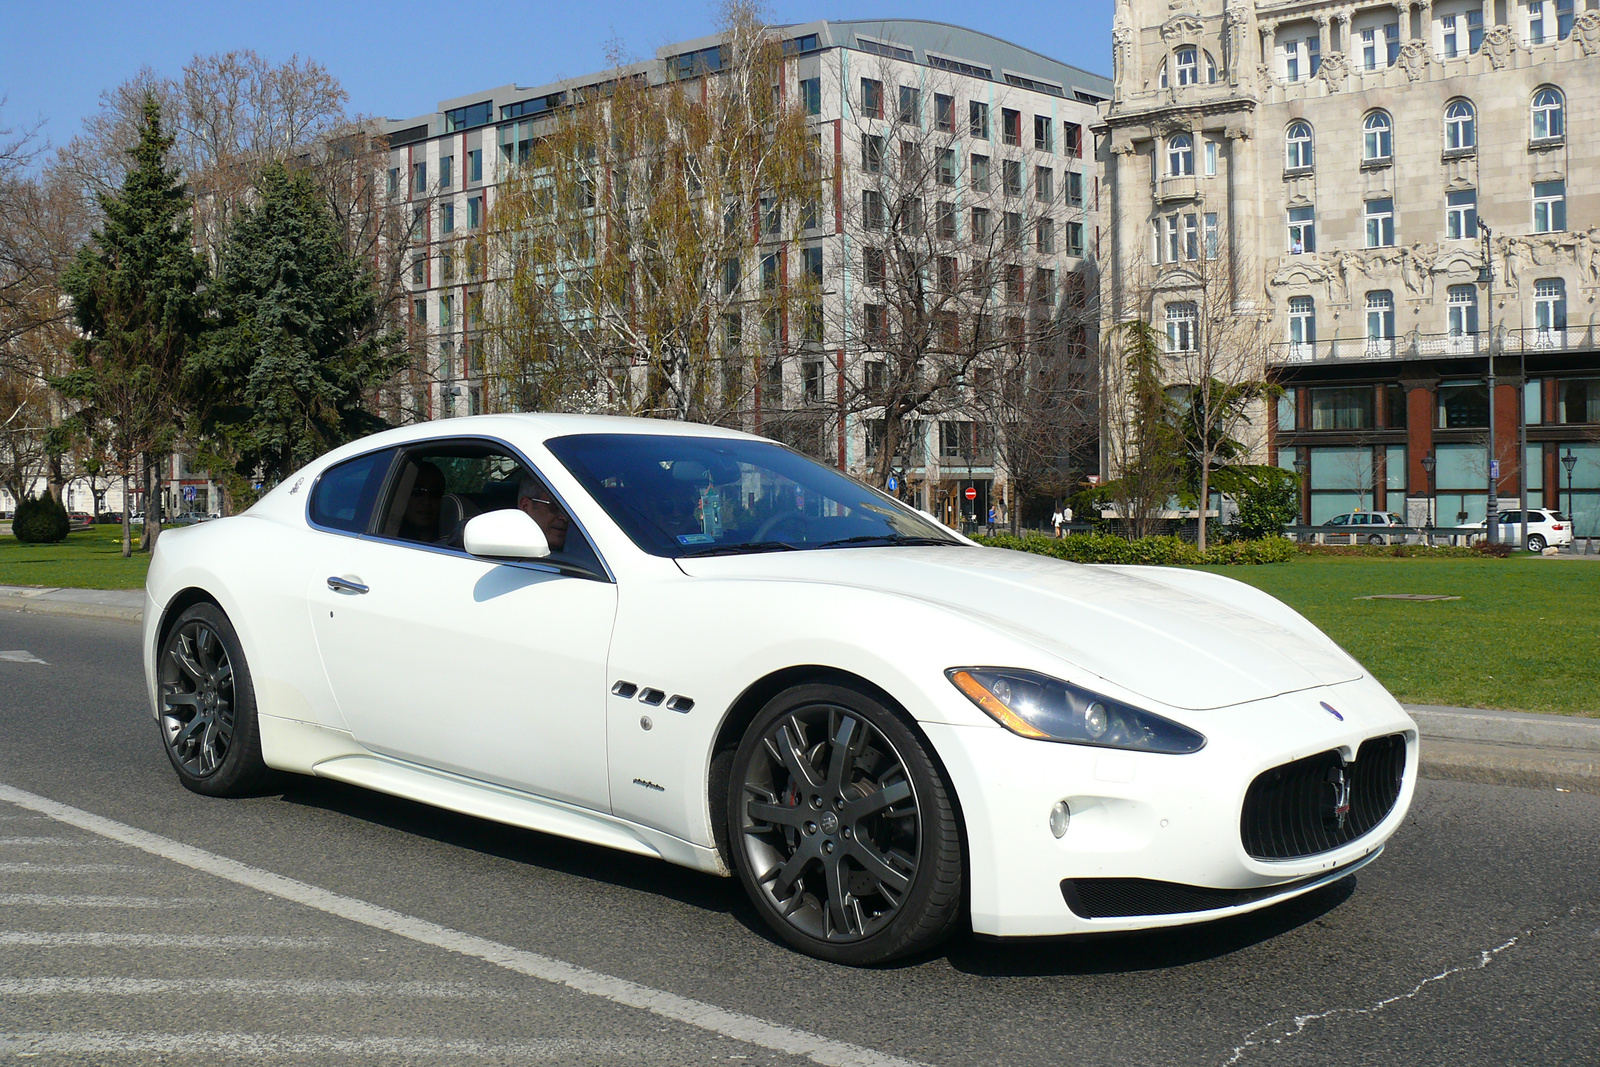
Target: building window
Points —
{"points": [[871, 153], [1549, 305], [1369, 48], [947, 274], [872, 209], [1181, 322], [1043, 134], [1072, 139], [980, 173], [474, 212], [1579, 401], [447, 218], [811, 95], [1461, 214], [419, 177], [1460, 126], [872, 267], [1010, 127], [1548, 121], [1013, 224], [1564, 19], [944, 113], [446, 171], [1047, 235], [1391, 40], [1074, 189], [419, 268], [1011, 175], [1380, 318], [1188, 66], [978, 119], [1074, 238], [1549, 206], [1462, 307], [944, 220], [447, 307], [1044, 184], [1452, 46], [1014, 279], [877, 323], [1536, 21], [910, 110], [769, 272], [1302, 324], [1378, 143], [1180, 155], [1342, 407], [1211, 159], [980, 224], [1462, 405], [1044, 286], [1302, 230], [811, 264], [811, 381], [730, 277], [1291, 61], [1380, 223], [1297, 145], [1213, 236], [947, 166], [871, 98], [394, 180]]}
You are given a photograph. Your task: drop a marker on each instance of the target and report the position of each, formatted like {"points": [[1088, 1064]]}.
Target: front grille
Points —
{"points": [[1290, 811], [1117, 898]]}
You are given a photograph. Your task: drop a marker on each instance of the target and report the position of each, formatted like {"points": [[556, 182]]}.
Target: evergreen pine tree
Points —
{"points": [[138, 292], [295, 348]]}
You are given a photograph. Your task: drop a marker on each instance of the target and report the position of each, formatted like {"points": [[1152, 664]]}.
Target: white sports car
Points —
{"points": [[696, 644]]}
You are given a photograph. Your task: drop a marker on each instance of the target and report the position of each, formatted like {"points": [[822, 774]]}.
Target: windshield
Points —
{"points": [[697, 496]]}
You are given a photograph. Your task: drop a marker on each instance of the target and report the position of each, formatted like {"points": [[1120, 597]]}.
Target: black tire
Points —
{"points": [[208, 706], [1536, 543], [1374, 539], [843, 829]]}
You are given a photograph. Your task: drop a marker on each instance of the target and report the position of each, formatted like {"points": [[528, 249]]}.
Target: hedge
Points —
{"points": [[40, 521], [1149, 551]]}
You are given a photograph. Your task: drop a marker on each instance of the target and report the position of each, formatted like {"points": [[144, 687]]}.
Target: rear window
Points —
{"points": [[343, 497]]}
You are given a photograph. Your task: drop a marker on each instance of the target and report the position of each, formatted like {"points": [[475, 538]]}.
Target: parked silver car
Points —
{"points": [[1363, 525]]}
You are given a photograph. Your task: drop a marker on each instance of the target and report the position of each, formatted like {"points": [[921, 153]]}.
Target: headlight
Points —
{"points": [[1048, 709]]}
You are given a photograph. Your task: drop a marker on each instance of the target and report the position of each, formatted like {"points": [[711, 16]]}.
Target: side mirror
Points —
{"points": [[509, 533]]}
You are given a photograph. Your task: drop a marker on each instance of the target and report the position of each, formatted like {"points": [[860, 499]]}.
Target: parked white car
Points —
{"points": [[1547, 527], [696, 644]]}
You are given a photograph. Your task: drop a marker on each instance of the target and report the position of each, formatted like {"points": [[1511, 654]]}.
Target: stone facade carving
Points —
{"points": [[1334, 70], [1416, 267], [1414, 58], [1586, 254], [1499, 43], [1181, 27], [1587, 30]]}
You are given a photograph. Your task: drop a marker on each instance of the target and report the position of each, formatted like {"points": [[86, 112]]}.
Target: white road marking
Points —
{"points": [[735, 1025], [244, 987], [110, 1042], [59, 842], [42, 939], [73, 868], [20, 655], [47, 900]]}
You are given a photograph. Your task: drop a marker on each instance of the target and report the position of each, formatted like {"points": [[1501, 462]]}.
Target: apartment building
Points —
{"points": [[1395, 190], [999, 132]]}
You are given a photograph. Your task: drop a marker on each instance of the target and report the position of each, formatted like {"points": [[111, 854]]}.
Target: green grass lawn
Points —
{"points": [[1525, 635], [88, 559]]}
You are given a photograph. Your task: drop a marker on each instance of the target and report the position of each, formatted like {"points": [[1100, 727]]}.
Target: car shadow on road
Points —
{"points": [[1144, 950]]}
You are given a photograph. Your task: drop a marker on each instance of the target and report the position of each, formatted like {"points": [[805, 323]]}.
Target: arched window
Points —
{"points": [[1188, 60], [1460, 125], [1378, 142], [1180, 155], [1548, 120], [1297, 145]]}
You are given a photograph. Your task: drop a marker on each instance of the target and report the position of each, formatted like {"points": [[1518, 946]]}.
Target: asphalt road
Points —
{"points": [[1475, 939]]}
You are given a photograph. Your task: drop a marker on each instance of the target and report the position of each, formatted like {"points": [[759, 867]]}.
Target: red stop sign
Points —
{"points": [[972, 493]]}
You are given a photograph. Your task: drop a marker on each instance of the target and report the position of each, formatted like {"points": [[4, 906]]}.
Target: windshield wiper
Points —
{"points": [[743, 546], [885, 539]]}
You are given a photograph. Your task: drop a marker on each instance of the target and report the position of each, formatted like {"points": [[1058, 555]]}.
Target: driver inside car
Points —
{"points": [[539, 504]]}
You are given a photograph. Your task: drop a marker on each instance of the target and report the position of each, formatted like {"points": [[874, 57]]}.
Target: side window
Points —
{"points": [[441, 486], [343, 497]]}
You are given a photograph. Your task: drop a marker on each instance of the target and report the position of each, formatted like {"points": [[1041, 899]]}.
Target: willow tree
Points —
{"points": [[641, 236]]}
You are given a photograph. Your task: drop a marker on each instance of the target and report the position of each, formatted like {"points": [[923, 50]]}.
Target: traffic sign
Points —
{"points": [[894, 483], [972, 492]]}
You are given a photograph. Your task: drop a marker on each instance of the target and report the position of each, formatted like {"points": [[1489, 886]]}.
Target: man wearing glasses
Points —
{"points": [[540, 505]]}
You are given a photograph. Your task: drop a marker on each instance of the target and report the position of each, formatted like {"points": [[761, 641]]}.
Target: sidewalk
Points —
{"points": [[1464, 744]]}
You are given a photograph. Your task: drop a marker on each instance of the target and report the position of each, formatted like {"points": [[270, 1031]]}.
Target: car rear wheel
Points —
{"points": [[1374, 539], [842, 828], [1536, 542], [208, 707]]}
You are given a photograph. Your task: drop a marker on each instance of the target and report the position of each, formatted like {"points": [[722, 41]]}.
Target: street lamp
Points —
{"points": [[1486, 276], [1569, 461], [1428, 463]]}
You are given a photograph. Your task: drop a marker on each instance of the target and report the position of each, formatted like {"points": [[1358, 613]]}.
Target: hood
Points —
{"points": [[1184, 638]]}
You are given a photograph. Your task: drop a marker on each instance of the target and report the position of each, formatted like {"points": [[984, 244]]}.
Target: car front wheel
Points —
{"points": [[208, 707], [842, 828]]}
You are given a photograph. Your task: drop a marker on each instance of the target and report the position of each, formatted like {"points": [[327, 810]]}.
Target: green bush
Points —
{"points": [[1146, 551], [1399, 551], [40, 521]]}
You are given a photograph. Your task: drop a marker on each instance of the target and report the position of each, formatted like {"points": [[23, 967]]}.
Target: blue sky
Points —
{"points": [[401, 57]]}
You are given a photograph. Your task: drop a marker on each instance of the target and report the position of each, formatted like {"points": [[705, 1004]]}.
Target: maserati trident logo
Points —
{"points": [[1336, 801], [1331, 710]]}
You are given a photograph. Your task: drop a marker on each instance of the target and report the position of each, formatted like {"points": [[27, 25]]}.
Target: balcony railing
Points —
{"points": [[1416, 345]]}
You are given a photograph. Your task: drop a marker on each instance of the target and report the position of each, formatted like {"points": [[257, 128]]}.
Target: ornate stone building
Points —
{"points": [[1342, 168]]}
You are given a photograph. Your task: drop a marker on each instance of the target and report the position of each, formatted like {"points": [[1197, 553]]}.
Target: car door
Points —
{"points": [[491, 670]]}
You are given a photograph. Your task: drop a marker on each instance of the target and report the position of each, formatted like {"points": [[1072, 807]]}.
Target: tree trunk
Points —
{"points": [[152, 511], [1205, 497], [54, 481], [127, 522]]}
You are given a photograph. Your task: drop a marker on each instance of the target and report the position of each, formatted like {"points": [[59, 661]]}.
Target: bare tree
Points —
{"points": [[639, 237], [1140, 435]]}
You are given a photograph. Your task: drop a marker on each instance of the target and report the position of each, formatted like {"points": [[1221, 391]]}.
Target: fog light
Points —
{"points": [[1060, 816]]}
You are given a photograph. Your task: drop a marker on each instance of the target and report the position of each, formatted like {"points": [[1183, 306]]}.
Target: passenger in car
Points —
{"points": [[541, 506], [421, 520]]}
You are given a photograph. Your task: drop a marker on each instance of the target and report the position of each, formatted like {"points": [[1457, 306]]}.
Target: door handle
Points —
{"points": [[345, 585]]}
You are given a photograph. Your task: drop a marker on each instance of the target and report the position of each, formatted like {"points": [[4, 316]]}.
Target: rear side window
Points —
{"points": [[343, 497]]}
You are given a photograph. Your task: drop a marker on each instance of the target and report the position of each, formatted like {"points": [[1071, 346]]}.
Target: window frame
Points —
{"points": [[1299, 143], [1377, 138], [1547, 108], [1460, 131]]}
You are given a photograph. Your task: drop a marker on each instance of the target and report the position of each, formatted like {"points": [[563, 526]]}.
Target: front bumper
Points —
{"points": [[1139, 818]]}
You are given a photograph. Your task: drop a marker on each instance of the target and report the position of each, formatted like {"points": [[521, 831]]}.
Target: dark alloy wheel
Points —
{"points": [[208, 708], [842, 829]]}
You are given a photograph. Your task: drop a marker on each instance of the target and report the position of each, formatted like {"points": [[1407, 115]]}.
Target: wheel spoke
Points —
{"points": [[198, 723], [843, 758], [883, 799], [838, 899], [794, 761], [879, 867], [183, 656], [203, 647], [775, 814], [181, 700], [788, 874]]}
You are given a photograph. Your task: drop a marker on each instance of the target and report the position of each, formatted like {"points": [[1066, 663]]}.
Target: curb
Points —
{"points": [[35, 605], [1558, 752]]}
